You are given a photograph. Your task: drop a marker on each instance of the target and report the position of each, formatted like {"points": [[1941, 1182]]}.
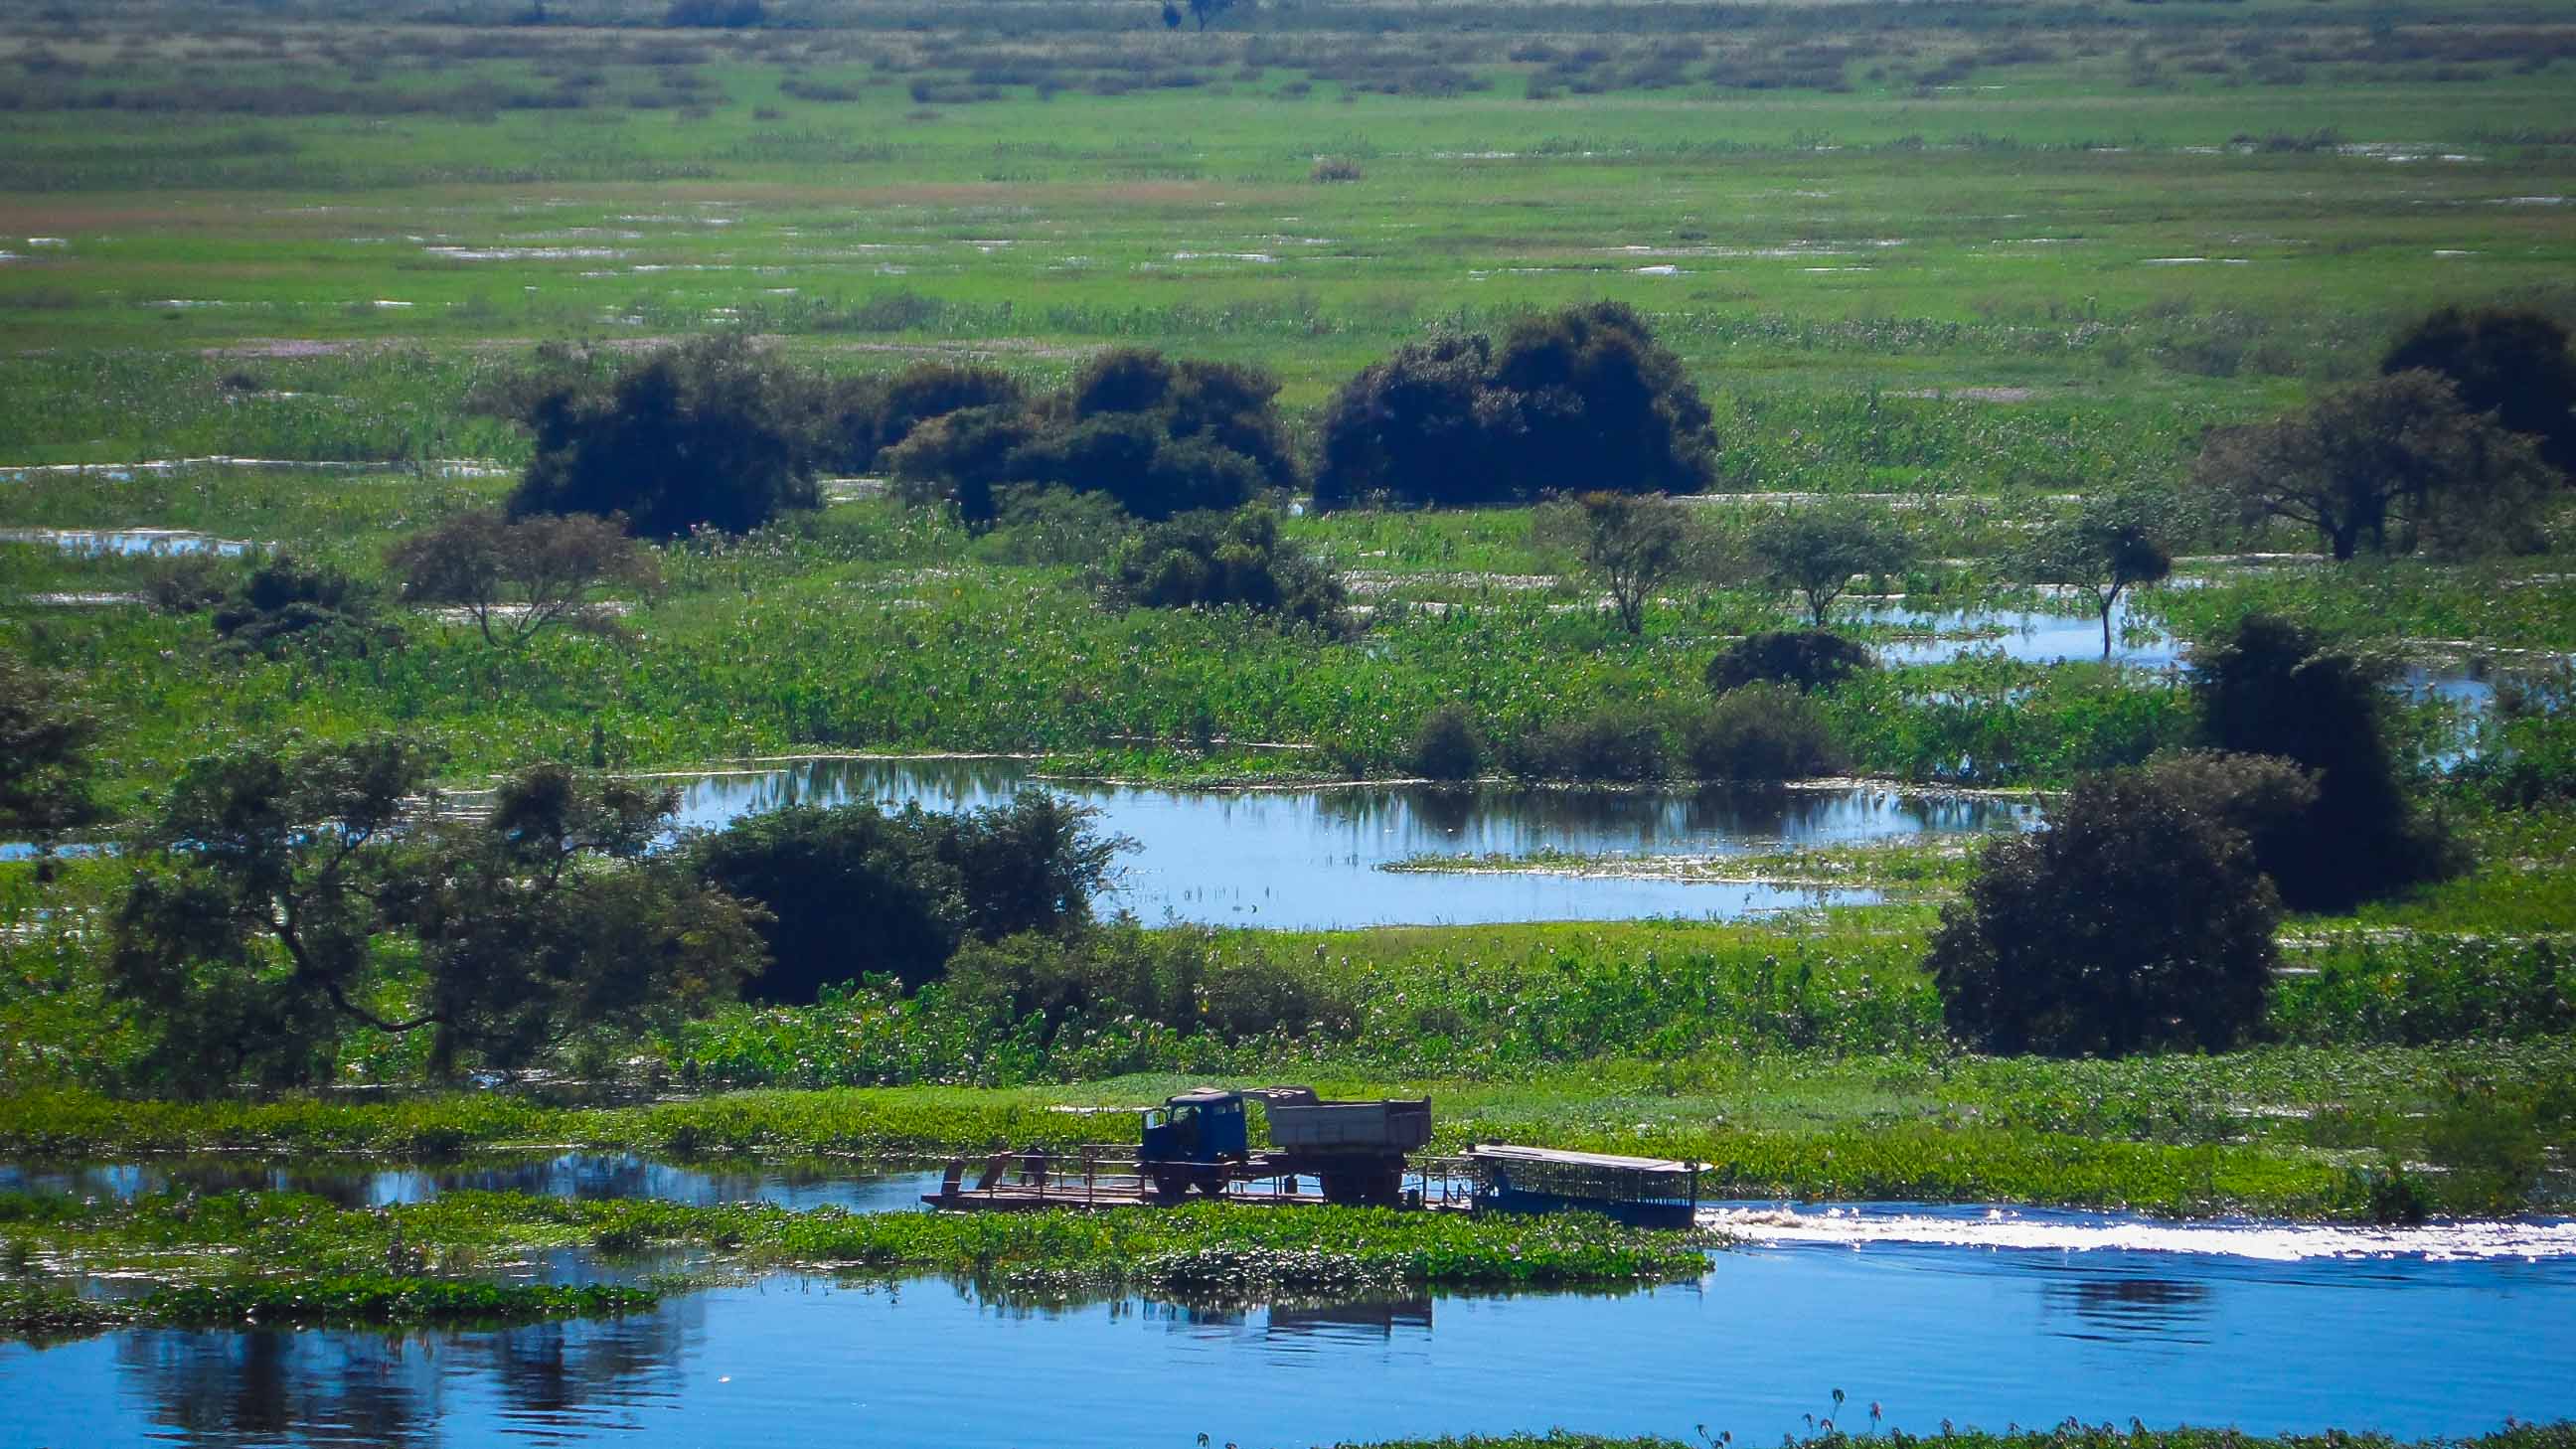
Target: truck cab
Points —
{"points": [[1203, 1127]]}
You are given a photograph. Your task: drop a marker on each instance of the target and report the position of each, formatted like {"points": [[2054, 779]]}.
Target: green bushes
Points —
{"points": [[1448, 745], [1809, 659], [2273, 689], [1612, 744], [711, 434], [1582, 397], [288, 606], [1161, 437], [2131, 921], [1215, 560], [1762, 732], [855, 890]]}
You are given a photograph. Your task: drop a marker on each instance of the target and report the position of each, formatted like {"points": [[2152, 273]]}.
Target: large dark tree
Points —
{"points": [[2514, 364], [710, 434], [2131, 921], [854, 890], [2273, 689], [2381, 465], [1161, 437], [282, 902], [1582, 398], [44, 754]]}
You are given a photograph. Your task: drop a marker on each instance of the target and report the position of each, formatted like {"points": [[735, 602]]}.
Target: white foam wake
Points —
{"points": [[2004, 1228]]}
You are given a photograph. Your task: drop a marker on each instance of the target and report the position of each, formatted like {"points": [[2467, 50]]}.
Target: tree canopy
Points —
{"points": [[283, 901], [1632, 545], [2131, 921], [2273, 688], [1161, 437], [2514, 364], [1212, 560], [1815, 552], [45, 736], [854, 889], [1810, 659], [2381, 465], [1583, 397], [710, 434], [516, 579], [2108, 547]]}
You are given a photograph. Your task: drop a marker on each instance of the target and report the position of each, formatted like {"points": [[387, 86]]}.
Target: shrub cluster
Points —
{"points": [[1161, 437], [1213, 560], [855, 890], [1584, 397]]}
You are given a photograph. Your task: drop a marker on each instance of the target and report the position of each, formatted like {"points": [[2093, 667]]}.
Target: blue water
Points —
{"points": [[1310, 858], [1979, 1336]]}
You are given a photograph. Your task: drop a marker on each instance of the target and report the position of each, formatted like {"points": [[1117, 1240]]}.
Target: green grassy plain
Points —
{"points": [[1967, 260]]}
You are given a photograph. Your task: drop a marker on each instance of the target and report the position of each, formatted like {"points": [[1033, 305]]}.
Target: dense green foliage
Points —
{"points": [[1221, 560], [707, 435], [2273, 689], [2383, 465], [1160, 437], [2130, 921], [2514, 364], [44, 753], [286, 899], [856, 890], [1580, 398], [1809, 659]]}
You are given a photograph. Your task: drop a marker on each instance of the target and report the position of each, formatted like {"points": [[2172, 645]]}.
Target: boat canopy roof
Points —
{"points": [[1507, 1152]]}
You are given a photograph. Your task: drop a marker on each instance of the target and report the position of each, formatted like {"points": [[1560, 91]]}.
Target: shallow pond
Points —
{"points": [[1309, 858], [1983, 1317], [155, 542]]}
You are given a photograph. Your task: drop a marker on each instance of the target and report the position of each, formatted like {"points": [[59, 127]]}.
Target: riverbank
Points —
{"points": [[2299, 1133]]}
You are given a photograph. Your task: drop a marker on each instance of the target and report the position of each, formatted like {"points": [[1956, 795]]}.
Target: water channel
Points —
{"points": [[1311, 858], [1984, 1317]]}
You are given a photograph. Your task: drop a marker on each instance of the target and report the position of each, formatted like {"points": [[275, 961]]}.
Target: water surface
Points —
{"points": [[1309, 858], [1978, 1335]]}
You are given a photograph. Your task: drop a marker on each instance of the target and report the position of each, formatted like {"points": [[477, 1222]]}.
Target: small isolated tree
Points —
{"points": [[2109, 547], [1204, 11], [2130, 922], [2378, 465], [710, 434], [1632, 545], [45, 737], [1809, 659], [282, 902], [2273, 688], [286, 605], [2514, 364], [1816, 552], [515, 579]]}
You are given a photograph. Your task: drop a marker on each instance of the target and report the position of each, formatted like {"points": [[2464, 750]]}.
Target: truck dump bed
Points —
{"points": [[1374, 1126]]}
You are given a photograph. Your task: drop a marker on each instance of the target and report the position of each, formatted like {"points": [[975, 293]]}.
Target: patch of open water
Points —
{"points": [[1929, 1314], [1309, 858]]}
